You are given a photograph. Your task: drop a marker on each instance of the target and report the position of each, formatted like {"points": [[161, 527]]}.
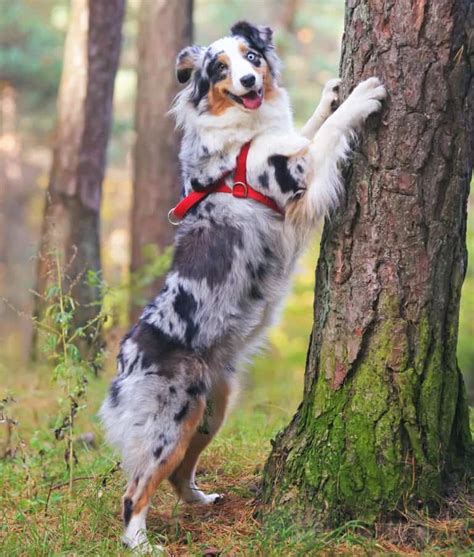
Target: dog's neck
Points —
{"points": [[211, 143]]}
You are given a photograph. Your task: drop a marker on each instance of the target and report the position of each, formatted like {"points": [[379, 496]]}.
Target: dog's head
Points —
{"points": [[236, 71]]}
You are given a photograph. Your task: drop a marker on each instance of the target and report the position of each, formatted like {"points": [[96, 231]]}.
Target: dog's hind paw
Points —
{"points": [[200, 498], [144, 547]]}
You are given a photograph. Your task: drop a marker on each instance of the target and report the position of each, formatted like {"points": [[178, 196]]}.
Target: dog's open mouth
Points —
{"points": [[251, 100]]}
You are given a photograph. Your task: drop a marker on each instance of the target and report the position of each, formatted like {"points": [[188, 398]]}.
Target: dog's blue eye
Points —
{"points": [[251, 56], [220, 67]]}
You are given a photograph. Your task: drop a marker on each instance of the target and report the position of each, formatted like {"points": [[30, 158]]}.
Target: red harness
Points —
{"points": [[240, 189]]}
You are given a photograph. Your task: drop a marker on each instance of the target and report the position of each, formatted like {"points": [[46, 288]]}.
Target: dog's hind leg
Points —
{"points": [[183, 478], [145, 481]]}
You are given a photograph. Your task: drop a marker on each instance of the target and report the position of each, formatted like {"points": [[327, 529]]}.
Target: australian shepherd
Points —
{"points": [[179, 366]]}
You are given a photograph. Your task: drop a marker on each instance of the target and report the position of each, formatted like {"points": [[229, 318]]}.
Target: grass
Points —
{"points": [[39, 517]]}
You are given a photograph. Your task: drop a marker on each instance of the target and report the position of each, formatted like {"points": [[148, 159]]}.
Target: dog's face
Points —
{"points": [[236, 71]]}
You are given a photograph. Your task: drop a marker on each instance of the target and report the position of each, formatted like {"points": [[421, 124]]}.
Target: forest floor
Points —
{"points": [[39, 516]]}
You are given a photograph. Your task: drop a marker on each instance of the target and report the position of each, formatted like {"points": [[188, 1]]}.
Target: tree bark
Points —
{"points": [[71, 223], [384, 419], [165, 28]]}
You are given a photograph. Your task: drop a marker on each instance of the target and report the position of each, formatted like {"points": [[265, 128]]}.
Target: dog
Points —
{"points": [[178, 367]]}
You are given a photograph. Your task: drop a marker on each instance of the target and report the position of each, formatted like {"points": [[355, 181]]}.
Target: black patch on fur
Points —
{"points": [[114, 394], [205, 253], [268, 253], [172, 390], [283, 175], [201, 88], [257, 275], [259, 272], [263, 180], [255, 292], [179, 416], [185, 306], [252, 35], [131, 366], [127, 510], [157, 452], [199, 186], [196, 389], [120, 362], [299, 168], [155, 346], [184, 74], [215, 73], [209, 206]]}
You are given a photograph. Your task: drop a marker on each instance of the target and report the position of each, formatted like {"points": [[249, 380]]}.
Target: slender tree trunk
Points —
{"points": [[72, 209], [165, 28], [384, 418]]}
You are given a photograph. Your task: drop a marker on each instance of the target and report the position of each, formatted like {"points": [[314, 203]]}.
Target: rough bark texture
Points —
{"points": [[384, 419], [165, 28], [72, 209]]}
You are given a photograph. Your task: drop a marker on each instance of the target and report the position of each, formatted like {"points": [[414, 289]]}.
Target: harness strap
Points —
{"points": [[240, 189]]}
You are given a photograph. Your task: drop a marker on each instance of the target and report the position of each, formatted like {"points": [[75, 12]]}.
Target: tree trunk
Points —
{"points": [[384, 418], [72, 209], [165, 28]]}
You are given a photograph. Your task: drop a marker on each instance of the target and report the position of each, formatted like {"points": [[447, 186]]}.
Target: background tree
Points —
{"points": [[71, 222], [165, 28], [384, 418]]}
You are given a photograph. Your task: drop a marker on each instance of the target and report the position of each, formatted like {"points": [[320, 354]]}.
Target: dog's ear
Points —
{"points": [[188, 60], [260, 38]]}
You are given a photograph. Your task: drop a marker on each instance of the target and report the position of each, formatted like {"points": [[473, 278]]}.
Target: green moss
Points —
{"points": [[422, 343]]}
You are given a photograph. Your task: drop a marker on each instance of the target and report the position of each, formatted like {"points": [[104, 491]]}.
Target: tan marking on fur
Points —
{"points": [[219, 397], [217, 97], [269, 89], [243, 48], [163, 471]]}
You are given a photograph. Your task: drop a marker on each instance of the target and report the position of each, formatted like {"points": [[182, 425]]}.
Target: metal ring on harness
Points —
{"points": [[235, 192], [172, 218]]}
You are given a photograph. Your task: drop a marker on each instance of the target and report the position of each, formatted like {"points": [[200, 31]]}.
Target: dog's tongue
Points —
{"points": [[252, 100]]}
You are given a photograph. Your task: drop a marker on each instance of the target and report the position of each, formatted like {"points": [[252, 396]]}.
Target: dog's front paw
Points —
{"points": [[330, 95], [366, 99]]}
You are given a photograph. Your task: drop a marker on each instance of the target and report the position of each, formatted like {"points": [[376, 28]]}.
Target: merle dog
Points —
{"points": [[178, 367]]}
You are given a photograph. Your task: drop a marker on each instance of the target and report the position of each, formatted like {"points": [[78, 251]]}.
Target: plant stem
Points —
{"points": [[63, 334]]}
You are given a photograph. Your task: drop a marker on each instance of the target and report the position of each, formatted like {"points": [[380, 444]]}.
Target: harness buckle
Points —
{"points": [[172, 219], [240, 190]]}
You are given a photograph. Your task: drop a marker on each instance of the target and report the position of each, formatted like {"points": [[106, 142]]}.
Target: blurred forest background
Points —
{"points": [[31, 51], [32, 35]]}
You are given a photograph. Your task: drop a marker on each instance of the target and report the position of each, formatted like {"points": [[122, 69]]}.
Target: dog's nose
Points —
{"points": [[248, 80]]}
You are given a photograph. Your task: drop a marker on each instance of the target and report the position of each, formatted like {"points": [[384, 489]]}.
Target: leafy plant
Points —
{"points": [[60, 342]]}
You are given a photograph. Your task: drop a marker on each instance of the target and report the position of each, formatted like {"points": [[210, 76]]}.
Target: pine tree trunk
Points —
{"points": [[165, 28], [384, 418], [71, 222]]}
